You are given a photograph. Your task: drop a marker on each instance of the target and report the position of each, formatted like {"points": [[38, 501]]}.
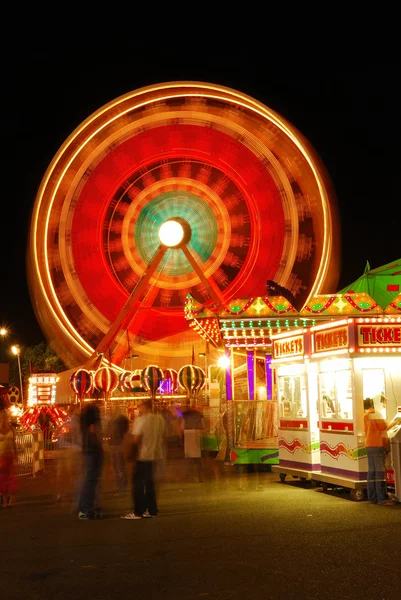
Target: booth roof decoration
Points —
{"points": [[394, 306], [250, 322], [341, 304]]}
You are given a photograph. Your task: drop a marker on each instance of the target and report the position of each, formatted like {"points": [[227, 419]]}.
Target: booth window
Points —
{"points": [[373, 386], [336, 395], [293, 396]]}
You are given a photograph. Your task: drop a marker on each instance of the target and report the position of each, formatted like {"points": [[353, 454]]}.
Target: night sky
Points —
{"points": [[349, 113]]}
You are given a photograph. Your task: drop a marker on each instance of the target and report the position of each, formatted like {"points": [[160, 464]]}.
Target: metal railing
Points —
{"points": [[30, 453]]}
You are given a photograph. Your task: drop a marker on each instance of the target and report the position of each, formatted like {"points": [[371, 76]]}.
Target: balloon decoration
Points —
{"points": [[43, 417], [151, 378], [106, 381], [170, 381], [14, 395], [192, 379], [81, 383], [124, 381], [134, 384]]}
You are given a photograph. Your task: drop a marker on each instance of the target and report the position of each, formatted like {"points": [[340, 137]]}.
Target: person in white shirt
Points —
{"points": [[149, 436]]}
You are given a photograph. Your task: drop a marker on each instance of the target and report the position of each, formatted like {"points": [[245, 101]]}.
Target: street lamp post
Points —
{"points": [[4, 367], [15, 350]]}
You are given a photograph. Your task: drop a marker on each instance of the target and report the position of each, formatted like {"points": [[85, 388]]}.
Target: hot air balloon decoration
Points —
{"points": [[123, 381], [106, 381], [134, 384], [192, 379], [81, 383], [151, 378]]}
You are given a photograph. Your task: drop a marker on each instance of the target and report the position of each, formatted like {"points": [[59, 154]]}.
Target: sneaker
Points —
{"points": [[147, 515], [83, 516], [131, 516]]}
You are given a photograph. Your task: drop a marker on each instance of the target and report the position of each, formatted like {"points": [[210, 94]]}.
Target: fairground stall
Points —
{"points": [[355, 354], [243, 330]]}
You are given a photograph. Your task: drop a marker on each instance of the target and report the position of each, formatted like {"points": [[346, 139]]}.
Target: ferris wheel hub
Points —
{"points": [[175, 232]]}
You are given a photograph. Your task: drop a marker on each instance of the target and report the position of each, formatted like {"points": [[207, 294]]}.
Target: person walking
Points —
{"points": [[118, 429], [92, 453], [376, 442], [69, 439], [8, 454], [149, 435], [193, 426]]}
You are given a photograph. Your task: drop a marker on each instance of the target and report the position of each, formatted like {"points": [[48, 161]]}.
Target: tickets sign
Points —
{"points": [[335, 338], [290, 346], [375, 335]]}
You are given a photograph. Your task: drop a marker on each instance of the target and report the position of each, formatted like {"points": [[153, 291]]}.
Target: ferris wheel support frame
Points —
{"points": [[130, 308]]}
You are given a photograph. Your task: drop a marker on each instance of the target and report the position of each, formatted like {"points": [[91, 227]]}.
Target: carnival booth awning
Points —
{"points": [[250, 322], [383, 284]]}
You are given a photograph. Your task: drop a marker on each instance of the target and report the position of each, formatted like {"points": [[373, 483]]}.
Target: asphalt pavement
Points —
{"points": [[237, 535]]}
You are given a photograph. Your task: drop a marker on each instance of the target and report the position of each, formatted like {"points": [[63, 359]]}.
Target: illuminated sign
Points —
{"points": [[330, 339], [291, 346], [42, 389], [378, 335]]}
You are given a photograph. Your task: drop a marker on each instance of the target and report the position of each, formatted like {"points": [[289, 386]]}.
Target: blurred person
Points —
{"points": [[376, 443], [69, 440], [193, 426], [118, 429], [149, 437], [92, 454], [8, 455]]}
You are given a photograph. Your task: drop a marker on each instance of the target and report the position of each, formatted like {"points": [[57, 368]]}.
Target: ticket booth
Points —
{"points": [[356, 358], [297, 398]]}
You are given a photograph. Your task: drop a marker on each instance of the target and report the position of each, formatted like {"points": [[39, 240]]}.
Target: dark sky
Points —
{"points": [[348, 109]]}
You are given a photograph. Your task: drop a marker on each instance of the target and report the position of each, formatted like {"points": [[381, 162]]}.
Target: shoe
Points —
{"points": [[387, 503], [131, 516], [95, 515], [147, 515], [89, 516]]}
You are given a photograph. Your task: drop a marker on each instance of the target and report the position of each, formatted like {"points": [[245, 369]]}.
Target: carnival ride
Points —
{"points": [[245, 192]]}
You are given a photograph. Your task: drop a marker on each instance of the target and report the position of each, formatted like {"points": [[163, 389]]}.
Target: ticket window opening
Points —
{"points": [[373, 386], [293, 396], [336, 395]]}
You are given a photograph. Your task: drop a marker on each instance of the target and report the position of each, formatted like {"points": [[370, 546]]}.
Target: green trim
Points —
{"points": [[209, 442], [252, 456]]}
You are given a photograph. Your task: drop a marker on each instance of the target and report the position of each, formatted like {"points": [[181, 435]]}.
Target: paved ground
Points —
{"points": [[235, 536]]}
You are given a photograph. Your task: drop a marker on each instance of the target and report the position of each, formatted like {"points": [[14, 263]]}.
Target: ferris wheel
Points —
{"points": [[250, 195]]}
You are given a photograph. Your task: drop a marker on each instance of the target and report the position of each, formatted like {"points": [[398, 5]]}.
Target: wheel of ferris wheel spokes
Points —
{"points": [[254, 193]]}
